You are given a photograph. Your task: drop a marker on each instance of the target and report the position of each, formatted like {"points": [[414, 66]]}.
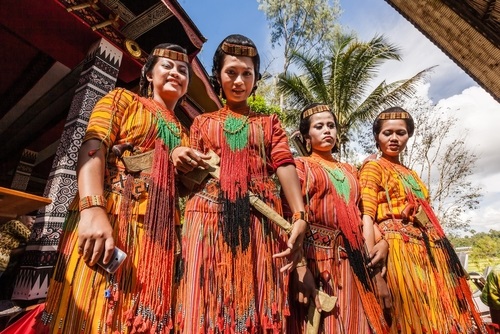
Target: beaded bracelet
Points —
{"points": [[91, 201], [299, 215]]}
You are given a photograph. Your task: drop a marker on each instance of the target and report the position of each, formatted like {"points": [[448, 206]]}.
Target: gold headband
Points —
{"points": [[394, 115], [238, 50], [315, 110], [170, 54]]}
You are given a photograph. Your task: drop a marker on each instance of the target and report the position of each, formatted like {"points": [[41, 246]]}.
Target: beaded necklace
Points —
{"points": [[337, 176], [169, 131], [409, 181], [235, 129]]}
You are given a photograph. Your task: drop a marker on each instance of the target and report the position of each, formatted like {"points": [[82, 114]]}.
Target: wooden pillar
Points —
{"points": [[98, 77], [23, 171]]}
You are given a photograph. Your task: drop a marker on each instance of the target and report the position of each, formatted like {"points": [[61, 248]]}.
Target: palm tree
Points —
{"points": [[342, 81]]}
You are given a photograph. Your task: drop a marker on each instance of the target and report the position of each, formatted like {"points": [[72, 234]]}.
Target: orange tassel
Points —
{"points": [[138, 321]]}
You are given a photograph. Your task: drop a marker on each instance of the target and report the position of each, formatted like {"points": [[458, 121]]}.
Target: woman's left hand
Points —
{"points": [[378, 256], [294, 250]]}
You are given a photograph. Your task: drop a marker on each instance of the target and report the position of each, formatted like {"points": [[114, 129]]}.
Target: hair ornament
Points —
{"points": [[314, 110], [170, 54], [238, 50], [394, 115]]}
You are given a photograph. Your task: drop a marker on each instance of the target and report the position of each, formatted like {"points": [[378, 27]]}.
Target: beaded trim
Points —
{"points": [[394, 115], [174, 55], [238, 50], [91, 201], [315, 110]]}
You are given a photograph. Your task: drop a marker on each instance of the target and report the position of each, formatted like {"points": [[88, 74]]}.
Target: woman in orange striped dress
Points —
{"points": [[132, 209], [334, 247], [231, 283], [426, 280]]}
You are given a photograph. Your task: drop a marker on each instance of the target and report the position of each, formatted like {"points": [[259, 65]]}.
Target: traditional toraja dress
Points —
{"points": [[231, 284], [427, 283], [142, 209], [335, 245]]}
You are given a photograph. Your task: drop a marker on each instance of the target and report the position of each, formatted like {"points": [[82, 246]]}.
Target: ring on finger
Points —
{"points": [[190, 161]]}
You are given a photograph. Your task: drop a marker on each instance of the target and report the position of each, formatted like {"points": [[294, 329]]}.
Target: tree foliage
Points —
{"points": [[343, 80], [485, 249], [300, 24]]}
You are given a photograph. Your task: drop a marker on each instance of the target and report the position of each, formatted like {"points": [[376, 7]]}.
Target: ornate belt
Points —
{"points": [[116, 180], [397, 226], [321, 236]]}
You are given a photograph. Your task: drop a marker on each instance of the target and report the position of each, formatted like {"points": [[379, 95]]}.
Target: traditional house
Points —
{"points": [[468, 31], [59, 58]]}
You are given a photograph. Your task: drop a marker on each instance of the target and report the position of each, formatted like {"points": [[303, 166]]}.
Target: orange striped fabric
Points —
{"points": [[350, 315], [374, 180], [84, 299], [234, 290], [430, 294]]}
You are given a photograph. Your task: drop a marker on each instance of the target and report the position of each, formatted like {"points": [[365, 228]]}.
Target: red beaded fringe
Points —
{"points": [[156, 264]]}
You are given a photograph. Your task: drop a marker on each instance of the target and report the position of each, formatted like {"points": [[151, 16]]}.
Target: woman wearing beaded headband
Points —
{"points": [[134, 209], [426, 280], [231, 282], [334, 248]]}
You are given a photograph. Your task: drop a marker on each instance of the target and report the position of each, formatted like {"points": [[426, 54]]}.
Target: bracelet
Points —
{"points": [[299, 215], [302, 263], [91, 201]]}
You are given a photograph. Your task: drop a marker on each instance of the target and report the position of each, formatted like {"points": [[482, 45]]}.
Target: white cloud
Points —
{"points": [[449, 86], [479, 113]]}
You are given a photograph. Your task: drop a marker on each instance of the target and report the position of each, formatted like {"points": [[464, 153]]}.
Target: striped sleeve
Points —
{"points": [[370, 179], [280, 151], [105, 120]]}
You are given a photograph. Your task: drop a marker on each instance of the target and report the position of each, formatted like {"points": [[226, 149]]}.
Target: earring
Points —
{"points": [[220, 93], [253, 96], [150, 90], [308, 146]]}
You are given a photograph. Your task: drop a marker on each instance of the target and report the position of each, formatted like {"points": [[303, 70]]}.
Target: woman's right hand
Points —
{"points": [[95, 236]]}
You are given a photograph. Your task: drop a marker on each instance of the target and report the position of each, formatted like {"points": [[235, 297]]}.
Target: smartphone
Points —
{"points": [[116, 260]]}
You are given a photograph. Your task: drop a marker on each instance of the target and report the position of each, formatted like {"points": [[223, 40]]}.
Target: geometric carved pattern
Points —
{"points": [[23, 170], [98, 77]]}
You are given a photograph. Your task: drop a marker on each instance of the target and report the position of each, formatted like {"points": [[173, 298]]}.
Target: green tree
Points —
{"points": [[343, 79], [300, 24]]}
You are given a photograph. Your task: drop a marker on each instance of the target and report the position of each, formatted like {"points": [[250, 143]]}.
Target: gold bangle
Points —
{"points": [[91, 201], [299, 215]]}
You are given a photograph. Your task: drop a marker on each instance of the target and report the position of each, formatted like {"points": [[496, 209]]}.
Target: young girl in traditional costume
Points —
{"points": [[334, 249], [231, 283], [133, 208], [426, 280]]}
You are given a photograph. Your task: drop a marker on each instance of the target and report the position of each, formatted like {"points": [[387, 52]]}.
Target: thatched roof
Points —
{"points": [[468, 31]]}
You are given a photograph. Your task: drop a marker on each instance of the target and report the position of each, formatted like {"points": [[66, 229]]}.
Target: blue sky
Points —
{"points": [[218, 18], [448, 86]]}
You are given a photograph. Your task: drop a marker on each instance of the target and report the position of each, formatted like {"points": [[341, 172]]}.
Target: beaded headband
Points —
{"points": [[238, 50], [394, 115], [315, 110], [174, 55]]}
